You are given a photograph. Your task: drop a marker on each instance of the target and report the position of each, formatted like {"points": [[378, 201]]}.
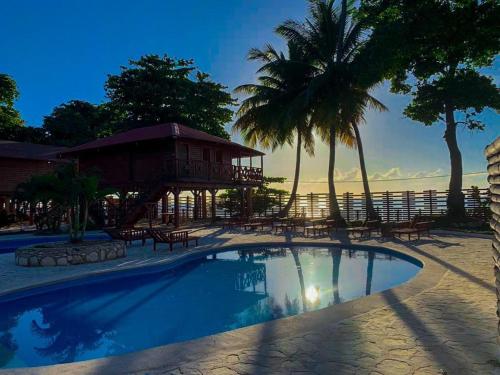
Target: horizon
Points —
{"points": [[64, 51]]}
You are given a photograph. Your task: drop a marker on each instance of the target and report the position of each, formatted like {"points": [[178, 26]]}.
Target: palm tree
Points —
{"points": [[354, 106], [271, 115], [340, 51]]}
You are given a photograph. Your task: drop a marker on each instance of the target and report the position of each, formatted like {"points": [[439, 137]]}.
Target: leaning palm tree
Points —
{"points": [[272, 116], [354, 105], [337, 44]]}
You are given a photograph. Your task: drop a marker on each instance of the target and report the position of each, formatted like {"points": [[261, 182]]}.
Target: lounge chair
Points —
{"points": [[170, 237], [412, 227], [321, 226], [368, 226], [128, 234]]}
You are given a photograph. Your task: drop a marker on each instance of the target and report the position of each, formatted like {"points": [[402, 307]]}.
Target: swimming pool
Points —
{"points": [[205, 294]]}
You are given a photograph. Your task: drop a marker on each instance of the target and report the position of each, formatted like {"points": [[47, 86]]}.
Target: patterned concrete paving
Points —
{"points": [[441, 322]]}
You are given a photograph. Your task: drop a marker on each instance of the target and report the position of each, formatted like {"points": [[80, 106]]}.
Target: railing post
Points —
{"points": [[408, 205], [348, 205], [430, 203], [311, 201], [387, 207]]}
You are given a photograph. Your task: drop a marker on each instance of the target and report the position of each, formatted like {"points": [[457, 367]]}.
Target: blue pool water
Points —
{"points": [[133, 310], [9, 245]]}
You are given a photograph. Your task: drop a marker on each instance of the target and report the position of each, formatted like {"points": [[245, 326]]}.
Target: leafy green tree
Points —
{"points": [[10, 119], [155, 90], [434, 50], [270, 116], [264, 198], [77, 122], [67, 188]]}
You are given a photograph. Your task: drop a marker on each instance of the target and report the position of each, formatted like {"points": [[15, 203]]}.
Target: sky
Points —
{"points": [[63, 50]]}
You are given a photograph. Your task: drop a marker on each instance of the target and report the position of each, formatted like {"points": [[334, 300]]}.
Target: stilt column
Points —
{"points": [[176, 208]]}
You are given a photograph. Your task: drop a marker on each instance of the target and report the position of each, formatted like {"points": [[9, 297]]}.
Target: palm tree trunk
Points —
{"points": [[334, 204], [301, 278], [336, 258], [370, 211], [455, 201], [369, 273], [293, 194]]}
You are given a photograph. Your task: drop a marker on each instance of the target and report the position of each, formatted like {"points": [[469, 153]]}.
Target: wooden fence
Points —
{"points": [[493, 155], [391, 205]]}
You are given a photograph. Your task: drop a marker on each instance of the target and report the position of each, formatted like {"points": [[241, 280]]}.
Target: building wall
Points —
{"points": [[15, 171]]}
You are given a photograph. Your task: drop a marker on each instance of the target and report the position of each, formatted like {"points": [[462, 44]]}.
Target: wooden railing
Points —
{"points": [[493, 155], [392, 206], [211, 171]]}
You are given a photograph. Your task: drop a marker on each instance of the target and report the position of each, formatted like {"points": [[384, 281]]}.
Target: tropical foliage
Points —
{"points": [[68, 189], [264, 198], [156, 89], [436, 62], [10, 118], [270, 116], [77, 122]]}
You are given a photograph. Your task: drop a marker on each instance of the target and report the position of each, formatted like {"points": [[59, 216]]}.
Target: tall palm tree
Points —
{"points": [[337, 44], [271, 115], [354, 105]]}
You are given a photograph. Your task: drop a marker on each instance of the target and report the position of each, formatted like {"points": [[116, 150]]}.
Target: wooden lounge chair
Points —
{"points": [[253, 225], [368, 227], [128, 234], [321, 226], [413, 227], [162, 236], [285, 225], [192, 238]]}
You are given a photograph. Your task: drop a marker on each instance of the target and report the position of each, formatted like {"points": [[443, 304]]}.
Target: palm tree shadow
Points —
{"points": [[457, 270]]}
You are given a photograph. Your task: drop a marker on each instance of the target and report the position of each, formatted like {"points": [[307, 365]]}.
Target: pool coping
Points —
{"points": [[241, 338]]}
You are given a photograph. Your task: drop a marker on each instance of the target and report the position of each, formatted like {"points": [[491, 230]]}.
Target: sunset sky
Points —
{"points": [[62, 50]]}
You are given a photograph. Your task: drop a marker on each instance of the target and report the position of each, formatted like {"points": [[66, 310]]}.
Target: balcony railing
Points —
{"points": [[211, 171]]}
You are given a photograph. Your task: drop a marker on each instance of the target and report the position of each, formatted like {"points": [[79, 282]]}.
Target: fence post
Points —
{"points": [[408, 205], [280, 202], [387, 206], [348, 205], [430, 202]]}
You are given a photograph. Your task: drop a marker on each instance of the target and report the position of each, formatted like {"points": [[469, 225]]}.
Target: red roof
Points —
{"points": [[170, 130], [29, 151]]}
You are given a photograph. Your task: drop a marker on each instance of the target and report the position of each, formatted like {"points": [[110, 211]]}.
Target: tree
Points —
{"points": [[67, 188], [76, 122], [339, 92], [434, 50], [270, 116], [264, 198], [155, 90], [10, 119]]}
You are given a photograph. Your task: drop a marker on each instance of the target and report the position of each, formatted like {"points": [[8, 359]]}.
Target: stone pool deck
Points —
{"points": [[441, 322]]}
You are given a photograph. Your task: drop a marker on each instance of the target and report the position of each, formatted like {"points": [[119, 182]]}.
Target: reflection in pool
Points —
{"points": [[203, 296]]}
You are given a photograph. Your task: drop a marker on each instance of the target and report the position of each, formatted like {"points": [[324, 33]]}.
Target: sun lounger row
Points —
{"points": [[325, 226], [158, 235]]}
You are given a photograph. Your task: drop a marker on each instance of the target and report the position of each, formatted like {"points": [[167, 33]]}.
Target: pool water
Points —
{"points": [[95, 318]]}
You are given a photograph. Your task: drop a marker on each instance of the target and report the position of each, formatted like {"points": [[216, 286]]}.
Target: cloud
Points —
{"points": [[390, 174]]}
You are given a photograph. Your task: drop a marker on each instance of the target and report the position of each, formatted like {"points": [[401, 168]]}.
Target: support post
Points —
{"points": [[176, 207], [213, 193], [249, 197], [164, 209], [204, 204]]}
